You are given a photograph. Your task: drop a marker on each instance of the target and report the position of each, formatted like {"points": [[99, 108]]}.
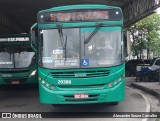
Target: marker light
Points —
{"points": [[42, 16], [117, 12], [39, 78], [33, 72]]}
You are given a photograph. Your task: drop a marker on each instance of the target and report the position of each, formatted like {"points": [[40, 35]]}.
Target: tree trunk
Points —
{"points": [[136, 52], [148, 52]]}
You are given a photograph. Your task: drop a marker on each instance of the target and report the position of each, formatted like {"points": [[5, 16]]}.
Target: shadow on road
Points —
{"points": [[19, 87]]}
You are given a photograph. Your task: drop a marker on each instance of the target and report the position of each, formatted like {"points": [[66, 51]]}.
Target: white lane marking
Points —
{"points": [[148, 106]]}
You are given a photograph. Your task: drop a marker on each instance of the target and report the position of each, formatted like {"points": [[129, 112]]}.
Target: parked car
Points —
{"points": [[148, 72], [154, 64], [130, 66]]}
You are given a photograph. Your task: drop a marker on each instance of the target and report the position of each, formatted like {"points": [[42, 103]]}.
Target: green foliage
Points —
{"points": [[146, 35]]}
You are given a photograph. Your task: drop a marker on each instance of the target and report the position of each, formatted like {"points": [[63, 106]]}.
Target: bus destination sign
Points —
{"points": [[80, 15], [14, 39]]}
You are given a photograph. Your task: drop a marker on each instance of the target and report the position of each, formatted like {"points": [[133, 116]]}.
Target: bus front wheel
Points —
{"points": [[114, 103], [56, 105]]}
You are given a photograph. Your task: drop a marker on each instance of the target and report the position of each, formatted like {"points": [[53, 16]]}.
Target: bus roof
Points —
{"points": [[82, 6]]}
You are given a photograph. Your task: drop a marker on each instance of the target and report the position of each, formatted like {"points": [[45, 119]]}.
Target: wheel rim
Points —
{"points": [[128, 73]]}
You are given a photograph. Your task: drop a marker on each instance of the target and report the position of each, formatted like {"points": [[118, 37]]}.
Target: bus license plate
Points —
{"points": [[80, 96], [15, 82]]}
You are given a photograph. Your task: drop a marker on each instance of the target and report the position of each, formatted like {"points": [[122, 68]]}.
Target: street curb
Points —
{"points": [[152, 92]]}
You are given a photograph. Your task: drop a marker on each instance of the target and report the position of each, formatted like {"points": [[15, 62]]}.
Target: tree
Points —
{"points": [[145, 35]]}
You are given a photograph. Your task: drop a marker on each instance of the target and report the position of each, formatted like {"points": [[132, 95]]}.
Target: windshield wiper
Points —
{"points": [[65, 49], [14, 62], [63, 43], [59, 27], [93, 33]]}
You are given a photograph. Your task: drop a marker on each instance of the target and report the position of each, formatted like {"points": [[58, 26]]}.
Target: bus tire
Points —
{"points": [[114, 103], [58, 105], [128, 73]]}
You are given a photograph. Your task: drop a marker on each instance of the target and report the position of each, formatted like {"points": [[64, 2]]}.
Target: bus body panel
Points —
{"points": [[23, 76], [74, 7], [90, 86]]}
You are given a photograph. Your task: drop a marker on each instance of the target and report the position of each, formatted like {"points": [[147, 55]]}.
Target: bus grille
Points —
{"points": [[80, 74], [81, 87]]}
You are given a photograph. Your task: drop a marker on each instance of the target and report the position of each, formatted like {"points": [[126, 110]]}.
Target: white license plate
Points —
{"points": [[15, 82], [80, 96]]}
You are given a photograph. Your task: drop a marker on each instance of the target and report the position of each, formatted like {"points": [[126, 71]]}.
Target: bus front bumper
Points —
{"points": [[115, 94], [20, 80]]}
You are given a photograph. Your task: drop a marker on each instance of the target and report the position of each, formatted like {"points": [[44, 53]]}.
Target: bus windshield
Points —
{"points": [[102, 49], [16, 56]]}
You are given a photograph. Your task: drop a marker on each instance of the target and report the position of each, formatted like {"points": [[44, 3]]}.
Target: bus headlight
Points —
{"points": [[43, 82], [115, 82], [52, 87], [109, 85], [33, 72], [48, 85], [119, 79]]}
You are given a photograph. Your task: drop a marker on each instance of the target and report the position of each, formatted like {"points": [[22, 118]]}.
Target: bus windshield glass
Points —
{"points": [[16, 56], [104, 49], [60, 48], [73, 49]]}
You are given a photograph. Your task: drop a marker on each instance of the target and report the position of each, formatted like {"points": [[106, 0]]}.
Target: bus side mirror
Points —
{"points": [[125, 44], [34, 40], [34, 43]]}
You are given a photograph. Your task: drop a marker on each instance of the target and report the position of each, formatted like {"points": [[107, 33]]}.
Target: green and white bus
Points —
{"points": [[81, 57], [18, 60]]}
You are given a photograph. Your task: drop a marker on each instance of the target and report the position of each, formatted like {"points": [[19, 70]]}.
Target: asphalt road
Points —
{"points": [[25, 99]]}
